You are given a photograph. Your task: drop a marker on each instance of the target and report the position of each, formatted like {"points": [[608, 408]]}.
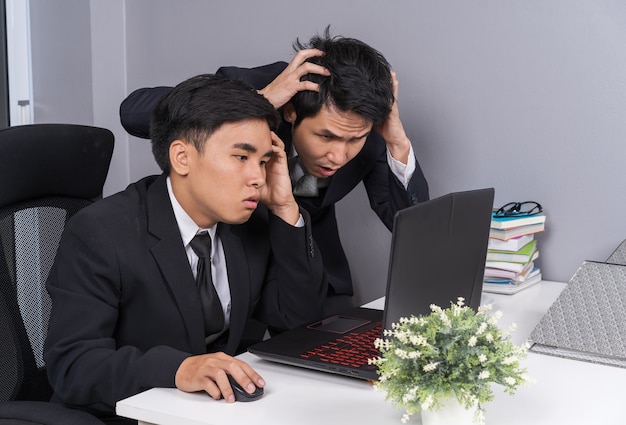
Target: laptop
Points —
{"points": [[438, 252]]}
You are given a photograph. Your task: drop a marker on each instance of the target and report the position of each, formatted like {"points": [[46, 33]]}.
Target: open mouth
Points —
{"points": [[326, 172]]}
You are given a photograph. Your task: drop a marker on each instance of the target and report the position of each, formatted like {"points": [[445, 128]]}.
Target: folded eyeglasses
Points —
{"points": [[518, 209]]}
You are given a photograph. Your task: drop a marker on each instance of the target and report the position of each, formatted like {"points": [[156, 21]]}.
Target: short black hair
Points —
{"points": [[360, 79], [197, 107]]}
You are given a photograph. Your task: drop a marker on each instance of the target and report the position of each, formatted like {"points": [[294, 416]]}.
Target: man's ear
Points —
{"points": [[289, 113], [179, 157]]}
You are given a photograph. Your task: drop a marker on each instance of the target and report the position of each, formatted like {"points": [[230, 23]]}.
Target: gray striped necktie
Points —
{"points": [[304, 184]]}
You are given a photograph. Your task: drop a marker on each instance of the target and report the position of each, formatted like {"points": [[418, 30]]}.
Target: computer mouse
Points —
{"points": [[243, 395]]}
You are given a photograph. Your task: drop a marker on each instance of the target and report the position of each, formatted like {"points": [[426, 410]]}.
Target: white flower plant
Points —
{"points": [[454, 352]]}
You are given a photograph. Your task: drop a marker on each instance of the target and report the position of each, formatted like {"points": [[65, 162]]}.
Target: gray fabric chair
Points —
{"points": [[47, 173]]}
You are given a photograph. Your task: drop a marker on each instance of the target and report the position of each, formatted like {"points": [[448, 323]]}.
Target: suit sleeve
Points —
{"points": [[386, 193], [85, 365], [296, 283], [258, 77], [136, 110]]}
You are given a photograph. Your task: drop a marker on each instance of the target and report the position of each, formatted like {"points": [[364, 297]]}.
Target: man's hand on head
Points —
{"points": [[277, 193], [392, 129], [288, 83]]}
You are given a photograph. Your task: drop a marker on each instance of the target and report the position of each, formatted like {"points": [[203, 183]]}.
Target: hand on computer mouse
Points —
{"points": [[243, 395]]}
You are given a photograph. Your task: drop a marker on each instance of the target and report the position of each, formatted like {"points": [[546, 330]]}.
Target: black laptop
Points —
{"points": [[438, 252]]}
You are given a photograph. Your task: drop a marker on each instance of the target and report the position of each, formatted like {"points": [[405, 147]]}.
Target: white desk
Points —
{"points": [[565, 391]]}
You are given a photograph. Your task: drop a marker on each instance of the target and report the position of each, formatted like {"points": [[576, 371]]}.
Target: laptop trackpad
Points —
{"points": [[338, 324]]}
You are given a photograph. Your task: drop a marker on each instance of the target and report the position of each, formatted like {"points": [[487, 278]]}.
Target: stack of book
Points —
{"points": [[511, 254]]}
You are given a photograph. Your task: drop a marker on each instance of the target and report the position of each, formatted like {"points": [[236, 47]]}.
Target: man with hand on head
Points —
{"points": [[341, 126], [138, 304]]}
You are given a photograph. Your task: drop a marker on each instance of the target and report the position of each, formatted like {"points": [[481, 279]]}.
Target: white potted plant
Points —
{"points": [[449, 357]]}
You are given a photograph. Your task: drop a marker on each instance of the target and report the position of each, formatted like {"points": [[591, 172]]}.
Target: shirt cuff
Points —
{"points": [[300, 222], [403, 172]]}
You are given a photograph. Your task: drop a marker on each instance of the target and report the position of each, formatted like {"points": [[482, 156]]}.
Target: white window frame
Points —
{"points": [[19, 62]]}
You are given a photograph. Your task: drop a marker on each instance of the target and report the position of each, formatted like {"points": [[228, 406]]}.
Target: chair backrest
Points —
{"points": [[47, 173]]}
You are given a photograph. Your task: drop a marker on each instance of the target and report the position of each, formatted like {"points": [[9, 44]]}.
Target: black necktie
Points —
{"points": [[211, 306]]}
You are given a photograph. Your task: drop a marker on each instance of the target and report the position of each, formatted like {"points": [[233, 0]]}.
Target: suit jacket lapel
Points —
{"points": [[239, 282], [346, 178], [169, 254], [354, 171]]}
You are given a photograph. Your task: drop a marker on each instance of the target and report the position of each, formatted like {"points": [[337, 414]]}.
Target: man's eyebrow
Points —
{"points": [[251, 148], [328, 133], [245, 146], [362, 136]]}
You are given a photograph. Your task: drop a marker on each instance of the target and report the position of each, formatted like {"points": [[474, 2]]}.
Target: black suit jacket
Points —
{"points": [[386, 193], [125, 307]]}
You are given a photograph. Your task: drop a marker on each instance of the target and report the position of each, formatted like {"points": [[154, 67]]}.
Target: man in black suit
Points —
{"points": [[338, 99], [127, 314]]}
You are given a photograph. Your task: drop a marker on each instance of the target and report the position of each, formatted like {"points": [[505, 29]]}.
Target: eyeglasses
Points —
{"points": [[518, 209]]}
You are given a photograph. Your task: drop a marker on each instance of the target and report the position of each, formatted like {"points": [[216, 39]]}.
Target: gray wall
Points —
{"points": [[61, 61], [526, 96]]}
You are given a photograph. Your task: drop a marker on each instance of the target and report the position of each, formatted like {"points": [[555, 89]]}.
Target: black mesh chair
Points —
{"points": [[47, 173]]}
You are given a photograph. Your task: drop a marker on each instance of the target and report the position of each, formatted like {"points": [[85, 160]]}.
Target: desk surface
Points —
{"points": [[564, 392]]}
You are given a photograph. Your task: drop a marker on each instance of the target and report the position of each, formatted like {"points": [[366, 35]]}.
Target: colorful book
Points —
{"points": [[513, 244], [508, 270], [510, 222], [523, 255], [506, 234], [512, 287], [512, 281], [514, 267]]}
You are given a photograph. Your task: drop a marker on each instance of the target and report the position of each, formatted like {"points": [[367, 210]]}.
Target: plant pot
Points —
{"points": [[450, 413]]}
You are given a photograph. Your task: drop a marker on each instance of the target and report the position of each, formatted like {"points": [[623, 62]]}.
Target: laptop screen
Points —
{"points": [[438, 254]]}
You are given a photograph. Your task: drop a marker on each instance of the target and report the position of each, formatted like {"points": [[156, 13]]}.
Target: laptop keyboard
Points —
{"points": [[350, 350]]}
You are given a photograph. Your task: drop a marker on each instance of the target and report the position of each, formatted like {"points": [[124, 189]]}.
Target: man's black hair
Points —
{"points": [[360, 79], [197, 107]]}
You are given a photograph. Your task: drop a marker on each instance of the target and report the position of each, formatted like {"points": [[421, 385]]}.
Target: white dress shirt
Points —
{"points": [[188, 229], [401, 171]]}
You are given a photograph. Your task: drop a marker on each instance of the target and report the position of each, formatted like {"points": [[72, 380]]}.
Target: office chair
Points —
{"points": [[47, 173]]}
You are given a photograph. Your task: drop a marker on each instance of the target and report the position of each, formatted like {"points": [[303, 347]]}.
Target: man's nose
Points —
{"points": [[256, 177], [338, 153]]}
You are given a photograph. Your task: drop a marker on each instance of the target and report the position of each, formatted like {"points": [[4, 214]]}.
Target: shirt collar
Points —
{"points": [[187, 227]]}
